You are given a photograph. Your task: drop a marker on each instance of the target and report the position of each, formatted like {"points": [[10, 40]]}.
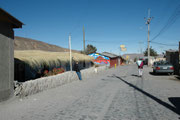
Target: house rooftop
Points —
{"points": [[111, 55], [6, 17], [170, 50]]}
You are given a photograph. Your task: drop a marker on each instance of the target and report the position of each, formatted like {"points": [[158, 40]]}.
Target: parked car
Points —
{"points": [[155, 64], [163, 67]]}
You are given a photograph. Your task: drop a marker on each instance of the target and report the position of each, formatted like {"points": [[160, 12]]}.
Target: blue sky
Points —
{"points": [[108, 23]]}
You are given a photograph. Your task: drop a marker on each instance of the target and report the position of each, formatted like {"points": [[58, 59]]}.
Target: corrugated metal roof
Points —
{"points": [[111, 55]]}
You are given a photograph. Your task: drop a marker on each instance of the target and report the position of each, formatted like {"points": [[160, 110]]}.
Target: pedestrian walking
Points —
{"points": [[140, 66], [76, 68]]}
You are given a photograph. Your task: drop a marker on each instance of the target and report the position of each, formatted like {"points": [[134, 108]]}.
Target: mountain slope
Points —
{"points": [[21, 43]]}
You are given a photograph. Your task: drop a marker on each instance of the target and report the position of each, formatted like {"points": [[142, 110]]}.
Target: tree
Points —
{"points": [[90, 49], [152, 52]]}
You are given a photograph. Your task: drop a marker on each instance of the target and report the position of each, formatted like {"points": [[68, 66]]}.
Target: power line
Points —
{"points": [[164, 11], [164, 44], [170, 22], [102, 41], [109, 42]]}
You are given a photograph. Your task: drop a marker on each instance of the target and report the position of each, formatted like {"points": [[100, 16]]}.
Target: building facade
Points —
{"points": [[115, 60], [100, 59], [172, 56], [7, 24]]}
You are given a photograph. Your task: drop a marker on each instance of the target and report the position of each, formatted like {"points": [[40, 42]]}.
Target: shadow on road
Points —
{"points": [[175, 101], [170, 107], [159, 74], [177, 77], [135, 75]]}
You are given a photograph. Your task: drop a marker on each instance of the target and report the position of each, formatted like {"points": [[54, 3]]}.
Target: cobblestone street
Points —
{"points": [[116, 94]]}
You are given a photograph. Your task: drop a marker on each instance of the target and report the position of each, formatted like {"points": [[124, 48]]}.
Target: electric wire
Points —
{"points": [[164, 44], [170, 22], [110, 42], [164, 11]]}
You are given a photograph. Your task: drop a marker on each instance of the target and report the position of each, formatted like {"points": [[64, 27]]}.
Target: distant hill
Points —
{"points": [[136, 55], [21, 43], [133, 55]]}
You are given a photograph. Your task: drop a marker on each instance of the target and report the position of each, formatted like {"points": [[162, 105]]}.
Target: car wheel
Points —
{"points": [[154, 72]]}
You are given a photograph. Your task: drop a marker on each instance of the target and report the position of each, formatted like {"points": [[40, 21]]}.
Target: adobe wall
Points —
{"points": [[6, 66]]}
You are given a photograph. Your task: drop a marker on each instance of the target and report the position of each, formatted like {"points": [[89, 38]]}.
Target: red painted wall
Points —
{"points": [[113, 61]]}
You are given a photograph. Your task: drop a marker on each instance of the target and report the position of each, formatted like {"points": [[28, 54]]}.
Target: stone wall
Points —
{"points": [[41, 84]]}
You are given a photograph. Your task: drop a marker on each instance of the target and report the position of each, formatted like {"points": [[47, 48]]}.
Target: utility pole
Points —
{"points": [[148, 23], [84, 39], [70, 56]]}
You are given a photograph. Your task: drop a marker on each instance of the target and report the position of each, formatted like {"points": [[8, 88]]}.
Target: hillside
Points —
{"points": [[21, 43]]}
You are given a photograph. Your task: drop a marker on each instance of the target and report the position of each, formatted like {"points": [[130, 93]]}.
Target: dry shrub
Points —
{"points": [[37, 58]]}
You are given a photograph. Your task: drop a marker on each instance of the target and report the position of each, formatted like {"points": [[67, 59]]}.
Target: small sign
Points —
{"points": [[122, 46], [123, 49]]}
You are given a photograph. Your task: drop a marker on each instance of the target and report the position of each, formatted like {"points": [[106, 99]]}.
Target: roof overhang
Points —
{"points": [[6, 17], [110, 55]]}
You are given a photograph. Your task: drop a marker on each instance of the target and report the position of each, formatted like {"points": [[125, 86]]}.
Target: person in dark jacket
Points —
{"points": [[76, 68]]}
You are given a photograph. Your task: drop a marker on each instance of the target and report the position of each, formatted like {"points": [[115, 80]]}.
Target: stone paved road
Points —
{"points": [[116, 94]]}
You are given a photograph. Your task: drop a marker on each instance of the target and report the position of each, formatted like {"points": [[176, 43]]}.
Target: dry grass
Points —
{"points": [[36, 58]]}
